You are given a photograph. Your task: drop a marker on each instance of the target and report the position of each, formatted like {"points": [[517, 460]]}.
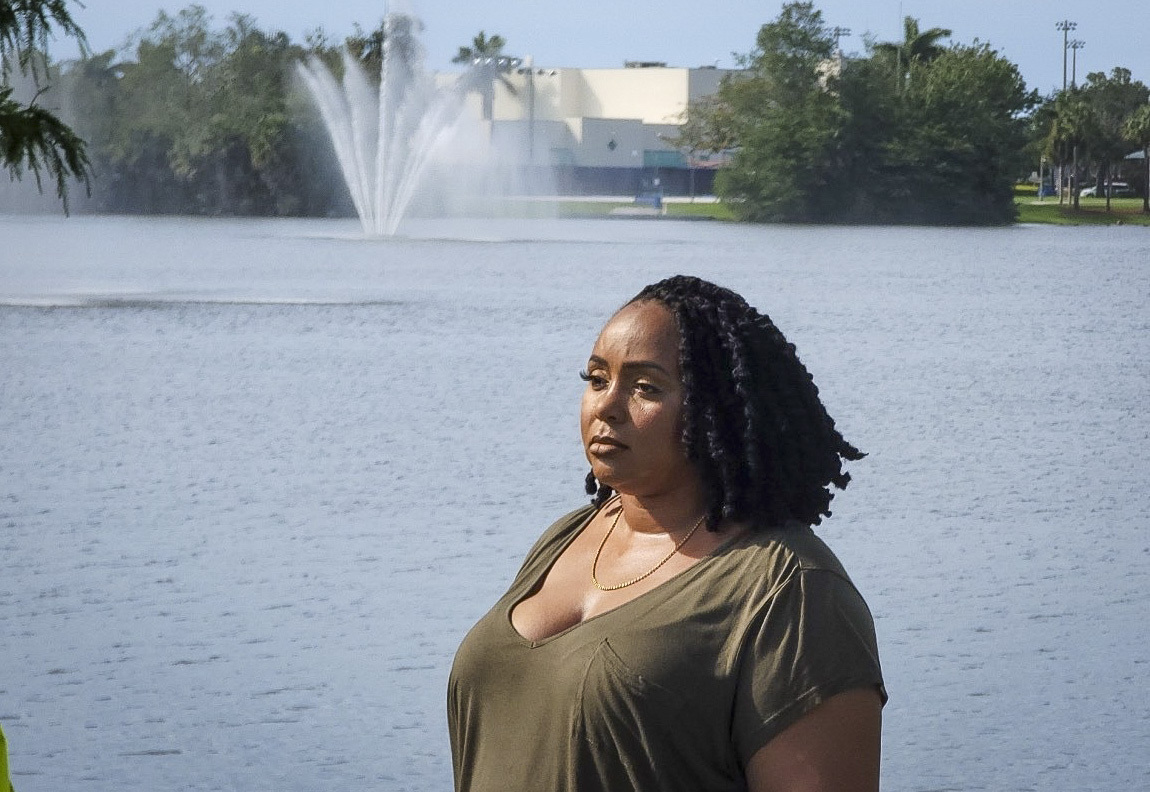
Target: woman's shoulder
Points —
{"points": [[555, 538], [780, 554]]}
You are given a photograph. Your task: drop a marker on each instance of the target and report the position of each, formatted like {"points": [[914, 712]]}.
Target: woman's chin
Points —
{"points": [[607, 475]]}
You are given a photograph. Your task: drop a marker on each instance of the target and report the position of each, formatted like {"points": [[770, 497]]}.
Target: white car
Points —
{"points": [[1117, 190]]}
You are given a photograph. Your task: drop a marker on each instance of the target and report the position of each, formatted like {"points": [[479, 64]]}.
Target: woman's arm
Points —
{"points": [[833, 748]]}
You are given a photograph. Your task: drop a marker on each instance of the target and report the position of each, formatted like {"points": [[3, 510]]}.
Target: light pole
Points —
{"points": [[1065, 26], [1075, 45], [838, 32], [528, 70]]}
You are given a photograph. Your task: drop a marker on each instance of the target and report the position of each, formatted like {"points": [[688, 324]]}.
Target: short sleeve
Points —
{"points": [[814, 639]]}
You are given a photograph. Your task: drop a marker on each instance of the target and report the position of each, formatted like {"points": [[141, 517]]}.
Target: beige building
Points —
{"points": [[603, 127]]}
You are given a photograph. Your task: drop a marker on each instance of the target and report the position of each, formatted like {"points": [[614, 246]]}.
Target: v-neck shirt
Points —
{"points": [[672, 690]]}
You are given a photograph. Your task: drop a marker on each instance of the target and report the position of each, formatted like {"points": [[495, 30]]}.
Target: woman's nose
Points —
{"points": [[609, 404]]}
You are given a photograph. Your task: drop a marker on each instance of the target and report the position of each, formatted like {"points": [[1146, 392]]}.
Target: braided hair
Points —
{"points": [[753, 423]]}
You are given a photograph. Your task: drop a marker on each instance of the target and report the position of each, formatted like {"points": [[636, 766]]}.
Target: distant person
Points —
{"points": [[687, 630]]}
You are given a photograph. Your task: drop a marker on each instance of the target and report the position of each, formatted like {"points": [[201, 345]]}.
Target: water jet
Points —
{"points": [[385, 137]]}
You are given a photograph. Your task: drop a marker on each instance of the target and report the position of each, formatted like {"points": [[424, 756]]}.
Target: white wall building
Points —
{"points": [[601, 125]]}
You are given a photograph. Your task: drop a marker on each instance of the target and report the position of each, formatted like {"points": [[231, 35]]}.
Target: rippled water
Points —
{"points": [[257, 479]]}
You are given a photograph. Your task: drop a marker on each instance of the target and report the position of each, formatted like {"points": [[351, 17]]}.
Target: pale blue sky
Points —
{"points": [[604, 33]]}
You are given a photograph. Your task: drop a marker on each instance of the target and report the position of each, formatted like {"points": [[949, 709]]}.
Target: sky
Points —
{"points": [[605, 33]]}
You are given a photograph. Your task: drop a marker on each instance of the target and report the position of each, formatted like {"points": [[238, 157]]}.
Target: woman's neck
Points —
{"points": [[671, 512]]}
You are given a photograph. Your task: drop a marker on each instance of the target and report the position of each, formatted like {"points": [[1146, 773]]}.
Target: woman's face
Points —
{"points": [[632, 407]]}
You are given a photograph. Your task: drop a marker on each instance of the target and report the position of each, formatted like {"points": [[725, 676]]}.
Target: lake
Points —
{"points": [[257, 478]]}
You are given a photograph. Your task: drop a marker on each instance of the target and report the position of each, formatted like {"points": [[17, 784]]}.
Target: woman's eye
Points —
{"points": [[594, 380], [646, 388]]}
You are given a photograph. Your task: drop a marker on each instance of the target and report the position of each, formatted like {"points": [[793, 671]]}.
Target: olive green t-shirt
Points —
{"points": [[673, 690]]}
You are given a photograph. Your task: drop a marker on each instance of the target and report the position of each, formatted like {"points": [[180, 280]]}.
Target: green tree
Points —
{"points": [[32, 138], [367, 47], [964, 123], [1137, 130], [783, 121], [481, 47], [200, 120], [1112, 99], [488, 65], [917, 46], [822, 139], [1073, 128]]}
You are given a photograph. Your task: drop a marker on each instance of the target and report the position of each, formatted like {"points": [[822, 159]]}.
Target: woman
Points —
{"points": [[687, 630]]}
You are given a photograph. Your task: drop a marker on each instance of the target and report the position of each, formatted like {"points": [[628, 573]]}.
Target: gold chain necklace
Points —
{"points": [[649, 572]]}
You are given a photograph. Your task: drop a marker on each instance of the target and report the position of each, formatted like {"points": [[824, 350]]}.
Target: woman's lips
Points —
{"points": [[601, 445]]}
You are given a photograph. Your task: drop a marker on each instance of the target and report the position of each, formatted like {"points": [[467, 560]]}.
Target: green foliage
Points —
{"points": [[1098, 121], [367, 47], [783, 121], [488, 65], [965, 132], [917, 46], [1137, 131], [481, 47], [1112, 99], [1137, 126], [204, 120], [5, 780], [936, 136], [25, 26], [33, 138]]}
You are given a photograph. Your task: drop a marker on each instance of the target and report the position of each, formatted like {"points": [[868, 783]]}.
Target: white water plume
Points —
{"points": [[384, 138]]}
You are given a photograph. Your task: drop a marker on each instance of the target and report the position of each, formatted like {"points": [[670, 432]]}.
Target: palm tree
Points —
{"points": [[1075, 127], [1137, 130], [488, 65], [917, 46], [31, 137], [481, 47]]}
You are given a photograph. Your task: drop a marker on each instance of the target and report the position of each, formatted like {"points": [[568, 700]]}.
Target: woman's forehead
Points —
{"points": [[644, 330]]}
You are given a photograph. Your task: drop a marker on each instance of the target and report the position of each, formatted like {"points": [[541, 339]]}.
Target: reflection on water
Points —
{"points": [[257, 478]]}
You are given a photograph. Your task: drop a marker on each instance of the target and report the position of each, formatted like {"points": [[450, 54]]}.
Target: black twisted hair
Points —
{"points": [[752, 419]]}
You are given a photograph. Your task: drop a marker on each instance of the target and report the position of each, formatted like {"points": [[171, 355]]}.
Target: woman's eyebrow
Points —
{"points": [[630, 364]]}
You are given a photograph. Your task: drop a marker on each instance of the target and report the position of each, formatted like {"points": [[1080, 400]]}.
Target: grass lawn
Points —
{"points": [[703, 211], [1091, 211]]}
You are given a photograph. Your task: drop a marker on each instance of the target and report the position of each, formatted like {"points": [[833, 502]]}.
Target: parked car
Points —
{"points": [[1116, 190]]}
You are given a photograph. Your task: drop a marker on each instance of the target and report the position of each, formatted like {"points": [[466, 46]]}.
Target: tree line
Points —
{"points": [[911, 132], [1087, 131], [197, 119], [202, 120]]}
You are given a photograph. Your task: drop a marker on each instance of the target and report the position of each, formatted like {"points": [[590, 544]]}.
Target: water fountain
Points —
{"points": [[385, 138]]}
